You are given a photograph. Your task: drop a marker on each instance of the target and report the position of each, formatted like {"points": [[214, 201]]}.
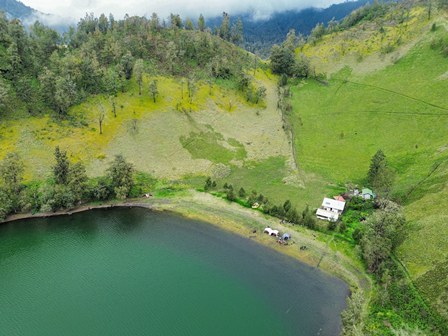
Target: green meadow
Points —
{"points": [[403, 110]]}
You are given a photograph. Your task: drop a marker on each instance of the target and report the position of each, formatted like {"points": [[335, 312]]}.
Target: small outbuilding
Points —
{"points": [[368, 194]]}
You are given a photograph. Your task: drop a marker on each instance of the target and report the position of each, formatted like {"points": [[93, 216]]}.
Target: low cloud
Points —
{"points": [[74, 10]]}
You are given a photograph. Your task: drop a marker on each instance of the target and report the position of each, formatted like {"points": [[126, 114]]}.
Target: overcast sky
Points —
{"points": [[76, 9]]}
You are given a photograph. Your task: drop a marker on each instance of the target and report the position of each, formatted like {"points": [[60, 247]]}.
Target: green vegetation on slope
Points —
{"points": [[400, 109], [182, 105], [399, 106]]}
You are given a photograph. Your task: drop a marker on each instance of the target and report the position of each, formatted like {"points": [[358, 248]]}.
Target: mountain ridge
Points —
{"points": [[260, 35]]}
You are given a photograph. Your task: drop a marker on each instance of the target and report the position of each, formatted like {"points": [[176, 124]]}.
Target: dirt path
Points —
{"points": [[271, 104]]}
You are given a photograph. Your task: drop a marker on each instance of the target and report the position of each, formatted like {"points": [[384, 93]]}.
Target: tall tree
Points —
{"points": [[291, 40], [5, 204], [380, 176], [153, 90], [44, 42], [121, 174], [154, 24], [260, 94], [224, 30], [175, 21], [112, 81], [237, 32], [318, 31], [101, 116], [77, 180], [65, 94], [127, 64], [139, 69], [282, 60], [384, 232], [191, 89], [103, 24], [201, 23], [4, 95], [61, 168], [11, 174], [113, 103], [189, 24]]}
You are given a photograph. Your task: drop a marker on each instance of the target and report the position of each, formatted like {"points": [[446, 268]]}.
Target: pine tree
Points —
{"points": [[224, 30], [61, 168], [201, 23], [379, 176], [237, 32]]}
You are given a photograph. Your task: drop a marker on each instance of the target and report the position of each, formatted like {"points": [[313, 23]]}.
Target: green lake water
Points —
{"points": [[137, 272]]}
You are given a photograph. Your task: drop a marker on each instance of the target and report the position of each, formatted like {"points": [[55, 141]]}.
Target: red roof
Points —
{"points": [[339, 198]]}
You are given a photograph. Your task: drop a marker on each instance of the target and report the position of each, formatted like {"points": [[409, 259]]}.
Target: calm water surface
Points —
{"points": [[136, 272]]}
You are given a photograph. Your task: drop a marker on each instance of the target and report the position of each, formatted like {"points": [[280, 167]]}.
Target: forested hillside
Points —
{"points": [[177, 102], [123, 108], [42, 70], [385, 69]]}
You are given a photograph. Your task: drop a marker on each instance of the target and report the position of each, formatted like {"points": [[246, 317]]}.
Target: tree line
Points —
{"points": [[67, 187], [284, 211], [42, 70]]}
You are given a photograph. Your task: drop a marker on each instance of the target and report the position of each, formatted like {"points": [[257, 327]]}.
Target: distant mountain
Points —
{"points": [[16, 9], [261, 35]]}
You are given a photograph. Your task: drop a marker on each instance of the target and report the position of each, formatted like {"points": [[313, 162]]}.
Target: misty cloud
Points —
{"points": [[186, 8]]}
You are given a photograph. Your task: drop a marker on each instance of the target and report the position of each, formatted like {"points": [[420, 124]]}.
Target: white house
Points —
{"points": [[330, 209]]}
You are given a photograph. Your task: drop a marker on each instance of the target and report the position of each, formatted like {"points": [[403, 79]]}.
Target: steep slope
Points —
{"points": [[386, 90], [205, 119]]}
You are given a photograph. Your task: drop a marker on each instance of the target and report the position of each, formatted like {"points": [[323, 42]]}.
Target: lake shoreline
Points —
{"points": [[242, 221], [100, 258]]}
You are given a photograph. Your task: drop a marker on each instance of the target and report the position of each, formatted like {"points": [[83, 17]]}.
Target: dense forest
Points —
{"points": [[43, 70]]}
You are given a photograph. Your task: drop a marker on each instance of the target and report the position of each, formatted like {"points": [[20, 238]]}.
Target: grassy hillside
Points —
{"points": [[371, 44], [386, 89], [390, 99], [217, 134]]}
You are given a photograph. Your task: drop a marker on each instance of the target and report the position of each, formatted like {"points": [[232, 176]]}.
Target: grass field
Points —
{"points": [[403, 110], [216, 133]]}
